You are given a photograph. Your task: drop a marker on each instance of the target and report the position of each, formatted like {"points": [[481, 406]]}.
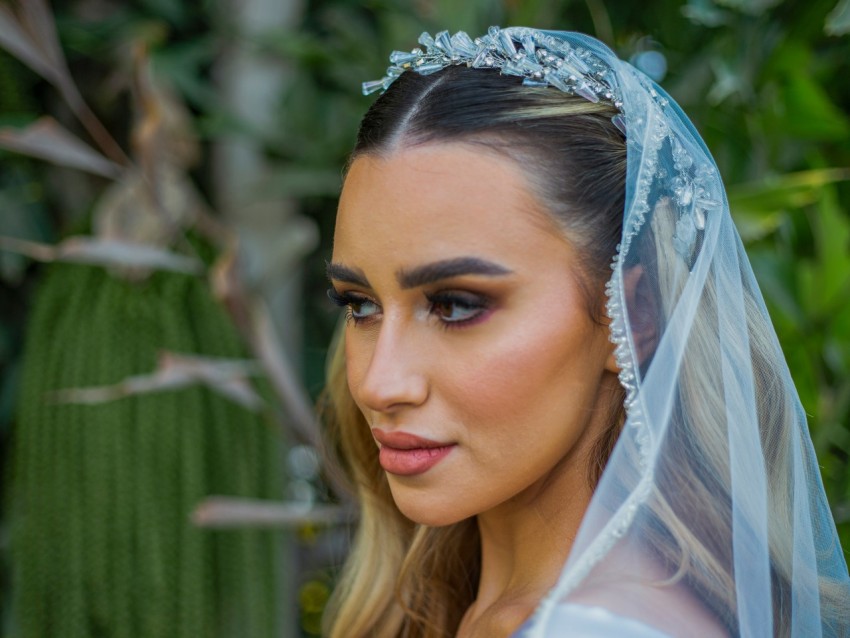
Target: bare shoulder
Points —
{"points": [[643, 592]]}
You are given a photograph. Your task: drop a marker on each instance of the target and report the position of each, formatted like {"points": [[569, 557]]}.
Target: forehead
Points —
{"points": [[427, 201]]}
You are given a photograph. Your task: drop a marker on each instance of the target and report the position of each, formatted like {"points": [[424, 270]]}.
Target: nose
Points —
{"points": [[386, 374]]}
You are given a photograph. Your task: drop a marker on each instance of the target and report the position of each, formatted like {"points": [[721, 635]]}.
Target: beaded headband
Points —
{"points": [[542, 60], [539, 59]]}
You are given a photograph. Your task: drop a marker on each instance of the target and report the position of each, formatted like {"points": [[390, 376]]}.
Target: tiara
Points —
{"points": [[540, 59]]}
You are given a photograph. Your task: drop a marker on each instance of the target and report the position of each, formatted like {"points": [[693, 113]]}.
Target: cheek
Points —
{"points": [[521, 406], [358, 352], [545, 372]]}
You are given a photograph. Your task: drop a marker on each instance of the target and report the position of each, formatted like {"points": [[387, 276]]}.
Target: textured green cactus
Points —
{"points": [[102, 544]]}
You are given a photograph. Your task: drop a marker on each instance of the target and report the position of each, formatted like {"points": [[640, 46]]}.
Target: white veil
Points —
{"points": [[712, 500]]}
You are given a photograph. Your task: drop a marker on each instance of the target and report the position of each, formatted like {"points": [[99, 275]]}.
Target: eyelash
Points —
{"points": [[467, 301]]}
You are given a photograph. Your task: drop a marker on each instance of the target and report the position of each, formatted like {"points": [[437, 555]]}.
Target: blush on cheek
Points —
{"points": [[539, 351]]}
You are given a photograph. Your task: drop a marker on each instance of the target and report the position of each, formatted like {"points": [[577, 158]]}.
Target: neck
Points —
{"points": [[525, 542]]}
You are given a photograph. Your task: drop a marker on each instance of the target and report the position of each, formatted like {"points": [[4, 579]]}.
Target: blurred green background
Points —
{"points": [[214, 120]]}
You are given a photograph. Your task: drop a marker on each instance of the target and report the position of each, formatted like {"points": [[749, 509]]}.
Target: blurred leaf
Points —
{"points": [[706, 13], [776, 275], [98, 33], [220, 512], [48, 140], [751, 7], [776, 192], [830, 274], [295, 45], [809, 111], [300, 181], [9, 385], [105, 252], [464, 16], [184, 67], [227, 377], [728, 81], [175, 11], [22, 215], [755, 225], [838, 20], [757, 207], [30, 35]]}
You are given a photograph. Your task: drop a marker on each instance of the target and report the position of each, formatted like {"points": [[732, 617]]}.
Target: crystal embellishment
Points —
{"points": [[540, 59], [694, 199]]}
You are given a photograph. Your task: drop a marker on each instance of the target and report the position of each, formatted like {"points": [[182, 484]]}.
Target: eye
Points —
{"points": [[358, 307], [456, 307]]}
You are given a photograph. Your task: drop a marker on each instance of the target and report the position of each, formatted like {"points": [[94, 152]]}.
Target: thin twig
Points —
{"points": [[219, 512], [94, 127]]}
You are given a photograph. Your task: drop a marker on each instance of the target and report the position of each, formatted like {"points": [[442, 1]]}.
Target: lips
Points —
{"points": [[406, 454]]}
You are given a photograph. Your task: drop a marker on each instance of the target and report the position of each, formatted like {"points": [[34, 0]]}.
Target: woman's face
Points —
{"points": [[470, 347]]}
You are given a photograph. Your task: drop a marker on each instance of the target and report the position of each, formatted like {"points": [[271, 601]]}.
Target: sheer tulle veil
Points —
{"points": [[711, 505], [713, 485]]}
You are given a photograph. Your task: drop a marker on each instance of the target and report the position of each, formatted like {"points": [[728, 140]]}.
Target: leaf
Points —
{"points": [[299, 181], [838, 20], [18, 41], [705, 13], [728, 81], [783, 192], [37, 18], [105, 252], [225, 511], [750, 7], [174, 371], [30, 34], [831, 272], [48, 140], [22, 215], [810, 113], [172, 10]]}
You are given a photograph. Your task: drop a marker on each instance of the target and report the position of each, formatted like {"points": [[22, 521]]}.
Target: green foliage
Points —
{"points": [[102, 542]]}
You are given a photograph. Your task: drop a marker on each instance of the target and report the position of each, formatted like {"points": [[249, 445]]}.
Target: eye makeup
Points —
{"points": [[458, 308], [358, 307], [452, 308]]}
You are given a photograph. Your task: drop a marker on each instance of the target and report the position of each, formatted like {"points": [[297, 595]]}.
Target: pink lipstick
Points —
{"points": [[405, 454]]}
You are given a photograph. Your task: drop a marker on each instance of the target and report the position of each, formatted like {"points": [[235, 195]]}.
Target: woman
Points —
{"points": [[559, 396]]}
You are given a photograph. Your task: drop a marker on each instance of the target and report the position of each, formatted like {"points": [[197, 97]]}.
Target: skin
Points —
{"points": [[507, 366]]}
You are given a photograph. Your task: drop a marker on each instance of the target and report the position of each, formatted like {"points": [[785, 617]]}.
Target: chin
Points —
{"points": [[423, 511]]}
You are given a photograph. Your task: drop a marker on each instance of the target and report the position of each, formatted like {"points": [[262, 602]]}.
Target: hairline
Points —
{"points": [[541, 212]]}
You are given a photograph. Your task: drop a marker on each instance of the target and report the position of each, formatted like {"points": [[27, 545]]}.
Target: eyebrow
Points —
{"points": [[448, 268], [422, 275], [346, 275]]}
